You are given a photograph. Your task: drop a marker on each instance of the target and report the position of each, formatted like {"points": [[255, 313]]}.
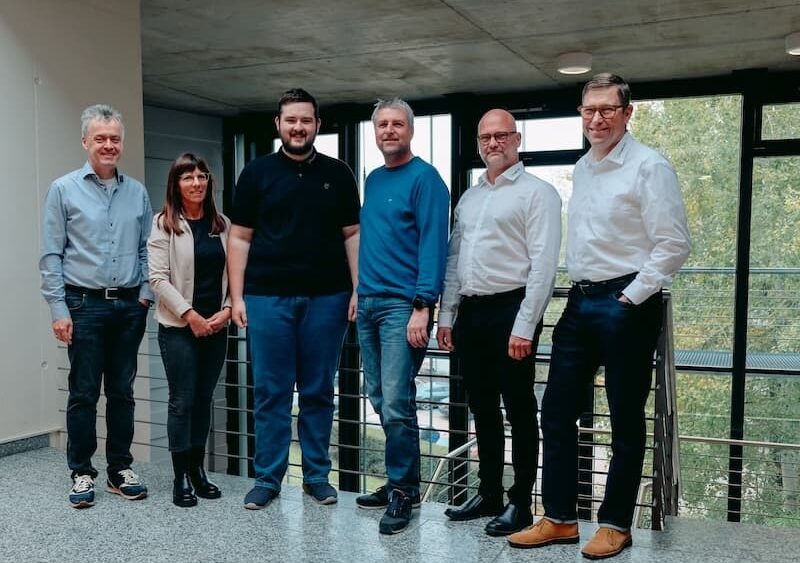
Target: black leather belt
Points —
{"points": [[106, 292], [514, 294], [603, 287]]}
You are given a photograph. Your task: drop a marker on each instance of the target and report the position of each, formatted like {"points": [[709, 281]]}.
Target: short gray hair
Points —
{"points": [[394, 103], [100, 112]]}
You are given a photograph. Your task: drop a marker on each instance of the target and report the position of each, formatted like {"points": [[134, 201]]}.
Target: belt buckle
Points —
{"points": [[582, 287], [110, 293]]}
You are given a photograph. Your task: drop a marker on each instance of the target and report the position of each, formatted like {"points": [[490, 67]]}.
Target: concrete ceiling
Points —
{"points": [[229, 56]]}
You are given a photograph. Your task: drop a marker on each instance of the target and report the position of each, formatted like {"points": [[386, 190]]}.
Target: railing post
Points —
{"points": [[349, 414]]}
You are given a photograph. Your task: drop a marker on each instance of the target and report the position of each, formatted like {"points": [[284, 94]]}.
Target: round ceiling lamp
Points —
{"points": [[574, 63], [793, 43]]}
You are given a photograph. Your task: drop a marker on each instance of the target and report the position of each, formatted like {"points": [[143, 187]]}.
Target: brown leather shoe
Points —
{"points": [[607, 542], [545, 532]]}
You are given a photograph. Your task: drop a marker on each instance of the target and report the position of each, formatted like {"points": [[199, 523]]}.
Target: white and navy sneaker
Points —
{"points": [[82, 493], [127, 484]]}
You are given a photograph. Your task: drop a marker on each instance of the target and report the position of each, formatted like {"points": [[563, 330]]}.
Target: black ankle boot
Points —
{"points": [[182, 493], [202, 486]]}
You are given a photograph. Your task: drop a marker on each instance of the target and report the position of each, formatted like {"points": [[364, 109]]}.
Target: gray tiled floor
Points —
{"points": [[37, 524]]}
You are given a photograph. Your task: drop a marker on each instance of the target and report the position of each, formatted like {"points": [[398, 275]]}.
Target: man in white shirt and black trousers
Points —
{"points": [[626, 238], [500, 273]]}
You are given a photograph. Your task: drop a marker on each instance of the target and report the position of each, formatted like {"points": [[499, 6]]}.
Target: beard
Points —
{"points": [[295, 149]]}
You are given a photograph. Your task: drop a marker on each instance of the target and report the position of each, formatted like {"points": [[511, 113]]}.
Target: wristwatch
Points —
{"points": [[420, 303]]}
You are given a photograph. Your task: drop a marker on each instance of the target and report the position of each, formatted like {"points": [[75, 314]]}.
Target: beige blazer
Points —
{"points": [[171, 260]]}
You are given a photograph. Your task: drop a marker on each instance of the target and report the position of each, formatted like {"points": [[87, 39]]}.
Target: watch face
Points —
{"points": [[418, 303]]}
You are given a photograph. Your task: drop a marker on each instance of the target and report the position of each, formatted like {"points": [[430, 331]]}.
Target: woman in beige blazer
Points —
{"points": [[187, 257]]}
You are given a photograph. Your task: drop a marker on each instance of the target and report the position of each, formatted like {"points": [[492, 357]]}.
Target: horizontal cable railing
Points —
{"points": [[703, 475]]}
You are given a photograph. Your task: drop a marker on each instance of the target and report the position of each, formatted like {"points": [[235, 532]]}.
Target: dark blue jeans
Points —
{"points": [[105, 340], [294, 340], [192, 366], [597, 330], [390, 366]]}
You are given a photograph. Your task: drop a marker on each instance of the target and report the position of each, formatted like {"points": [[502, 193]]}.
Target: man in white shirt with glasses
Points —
{"points": [[626, 238], [500, 273]]}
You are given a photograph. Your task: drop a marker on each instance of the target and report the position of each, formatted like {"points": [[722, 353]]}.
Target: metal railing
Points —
{"points": [[770, 474]]}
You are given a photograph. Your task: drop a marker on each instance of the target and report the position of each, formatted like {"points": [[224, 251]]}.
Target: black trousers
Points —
{"points": [[193, 366], [481, 335]]}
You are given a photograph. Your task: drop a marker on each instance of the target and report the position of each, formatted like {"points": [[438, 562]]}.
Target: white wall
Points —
{"points": [[57, 57]]}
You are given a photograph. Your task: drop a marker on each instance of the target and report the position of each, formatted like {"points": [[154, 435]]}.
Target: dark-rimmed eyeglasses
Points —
{"points": [[606, 112], [201, 177], [500, 136]]}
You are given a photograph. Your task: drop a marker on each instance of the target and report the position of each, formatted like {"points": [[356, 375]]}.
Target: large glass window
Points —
{"points": [[700, 136]]}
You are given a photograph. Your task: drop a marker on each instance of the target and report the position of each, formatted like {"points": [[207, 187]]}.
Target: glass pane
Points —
{"points": [[781, 121], [772, 405], [774, 304], [560, 133]]}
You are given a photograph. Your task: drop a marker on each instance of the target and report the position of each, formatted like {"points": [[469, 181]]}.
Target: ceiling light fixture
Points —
{"points": [[793, 43], [574, 63]]}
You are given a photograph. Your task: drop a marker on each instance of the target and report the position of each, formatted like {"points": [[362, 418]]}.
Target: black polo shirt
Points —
{"points": [[297, 211]]}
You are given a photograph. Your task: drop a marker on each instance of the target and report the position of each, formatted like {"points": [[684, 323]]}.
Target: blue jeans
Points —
{"points": [[294, 340], [390, 366], [105, 340], [192, 366], [599, 330]]}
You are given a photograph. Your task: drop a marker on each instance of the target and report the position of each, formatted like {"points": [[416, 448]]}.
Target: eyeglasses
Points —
{"points": [[587, 112], [201, 178], [501, 137]]}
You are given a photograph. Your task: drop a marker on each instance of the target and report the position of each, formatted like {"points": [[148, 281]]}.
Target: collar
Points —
{"points": [[306, 161], [509, 176], [617, 154], [88, 172]]}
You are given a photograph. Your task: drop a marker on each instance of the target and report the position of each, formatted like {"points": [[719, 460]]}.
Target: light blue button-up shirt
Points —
{"points": [[94, 236]]}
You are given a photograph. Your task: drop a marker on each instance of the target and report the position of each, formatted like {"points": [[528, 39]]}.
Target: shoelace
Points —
{"points": [[82, 483], [129, 477], [396, 503]]}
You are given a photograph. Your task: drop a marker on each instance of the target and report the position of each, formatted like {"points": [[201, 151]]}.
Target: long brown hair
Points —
{"points": [[169, 218]]}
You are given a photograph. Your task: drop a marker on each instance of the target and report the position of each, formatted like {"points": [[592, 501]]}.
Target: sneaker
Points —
{"points": [[323, 493], [82, 493], [397, 515], [545, 532], [259, 497], [607, 542], [126, 484], [380, 499]]}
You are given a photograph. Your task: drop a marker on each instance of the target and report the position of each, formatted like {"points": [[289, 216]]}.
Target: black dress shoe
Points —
{"points": [[182, 493], [476, 507], [513, 519], [202, 486]]}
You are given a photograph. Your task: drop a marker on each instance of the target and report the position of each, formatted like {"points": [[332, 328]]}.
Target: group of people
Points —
{"points": [[300, 257]]}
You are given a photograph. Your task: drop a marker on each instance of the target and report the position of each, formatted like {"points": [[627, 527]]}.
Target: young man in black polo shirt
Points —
{"points": [[292, 266]]}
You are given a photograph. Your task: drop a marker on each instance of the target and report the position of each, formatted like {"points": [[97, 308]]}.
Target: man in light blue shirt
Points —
{"points": [[95, 224]]}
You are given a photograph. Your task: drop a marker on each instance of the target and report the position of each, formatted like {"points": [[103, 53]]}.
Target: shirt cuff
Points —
{"points": [[146, 293], [523, 329], [59, 310], [446, 319], [638, 292]]}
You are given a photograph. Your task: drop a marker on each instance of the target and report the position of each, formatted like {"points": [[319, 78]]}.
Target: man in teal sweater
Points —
{"points": [[404, 227]]}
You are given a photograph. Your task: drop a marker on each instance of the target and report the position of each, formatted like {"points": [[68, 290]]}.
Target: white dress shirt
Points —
{"points": [[507, 235], [626, 215]]}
